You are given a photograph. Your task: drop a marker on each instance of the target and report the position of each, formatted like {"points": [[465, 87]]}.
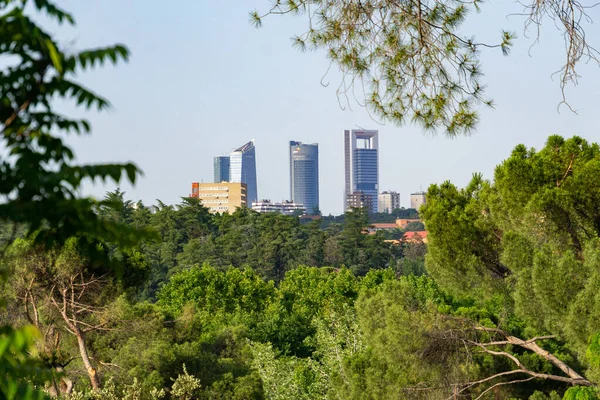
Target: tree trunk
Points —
{"points": [[546, 355], [63, 386], [91, 371]]}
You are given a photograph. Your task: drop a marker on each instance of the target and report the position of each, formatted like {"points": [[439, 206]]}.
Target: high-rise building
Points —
{"points": [[417, 199], [243, 169], [221, 169], [220, 197], [359, 200], [304, 175], [388, 202], [361, 156]]}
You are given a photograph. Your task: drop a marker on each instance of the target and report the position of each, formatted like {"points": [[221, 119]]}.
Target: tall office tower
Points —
{"points": [[243, 169], [361, 156], [417, 199], [304, 175], [388, 201], [221, 169]]}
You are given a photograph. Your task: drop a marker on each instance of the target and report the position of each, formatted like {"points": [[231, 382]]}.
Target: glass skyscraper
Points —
{"points": [[221, 169], [304, 175], [361, 160], [242, 168]]}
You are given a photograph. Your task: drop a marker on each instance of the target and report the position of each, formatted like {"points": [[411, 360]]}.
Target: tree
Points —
{"points": [[214, 291], [63, 293], [413, 260], [316, 210], [362, 251], [40, 184], [414, 226], [352, 236], [412, 59], [528, 241], [19, 371]]}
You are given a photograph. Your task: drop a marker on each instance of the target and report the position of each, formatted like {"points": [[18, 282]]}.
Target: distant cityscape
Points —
{"points": [[235, 181]]}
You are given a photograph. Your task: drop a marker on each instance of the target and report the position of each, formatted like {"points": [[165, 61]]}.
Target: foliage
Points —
{"points": [[215, 292], [41, 185], [412, 61], [528, 239], [224, 306], [111, 392], [185, 386], [581, 393], [40, 182], [415, 226], [18, 370], [413, 260], [270, 244], [62, 293], [409, 213], [534, 228]]}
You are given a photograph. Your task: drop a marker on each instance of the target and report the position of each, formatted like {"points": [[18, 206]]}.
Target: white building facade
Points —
{"points": [[388, 202], [285, 207]]}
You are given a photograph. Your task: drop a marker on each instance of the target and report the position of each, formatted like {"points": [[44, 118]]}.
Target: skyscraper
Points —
{"points": [[304, 175], [361, 157], [221, 168], [243, 169]]}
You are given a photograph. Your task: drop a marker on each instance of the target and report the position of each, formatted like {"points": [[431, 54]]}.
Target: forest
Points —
{"points": [[110, 299], [501, 303]]}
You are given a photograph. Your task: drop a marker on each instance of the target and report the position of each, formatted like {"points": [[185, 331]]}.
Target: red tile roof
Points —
{"points": [[412, 235]]}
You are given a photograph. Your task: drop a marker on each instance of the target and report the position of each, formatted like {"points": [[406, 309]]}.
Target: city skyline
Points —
{"points": [[304, 172], [261, 101]]}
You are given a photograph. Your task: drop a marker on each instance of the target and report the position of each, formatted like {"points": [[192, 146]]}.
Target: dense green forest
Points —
{"points": [[213, 293], [253, 306], [107, 299]]}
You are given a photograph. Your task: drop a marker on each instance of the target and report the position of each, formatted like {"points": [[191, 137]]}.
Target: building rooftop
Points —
{"points": [[245, 147], [416, 235], [385, 225]]}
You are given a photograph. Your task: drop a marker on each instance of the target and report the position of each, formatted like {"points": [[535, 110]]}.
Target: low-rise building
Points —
{"points": [[402, 222], [417, 200], [222, 197], [360, 200], [382, 226], [388, 202], [286, 207]]}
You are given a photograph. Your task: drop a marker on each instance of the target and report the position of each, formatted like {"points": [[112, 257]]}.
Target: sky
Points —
{"points": [[202, 81]]}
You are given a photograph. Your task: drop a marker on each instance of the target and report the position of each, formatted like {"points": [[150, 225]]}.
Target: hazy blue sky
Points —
{"points": [[202, 81]]}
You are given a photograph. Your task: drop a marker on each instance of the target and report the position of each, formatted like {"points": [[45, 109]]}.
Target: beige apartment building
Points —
{"points": [[222, 197], [417, 200]]}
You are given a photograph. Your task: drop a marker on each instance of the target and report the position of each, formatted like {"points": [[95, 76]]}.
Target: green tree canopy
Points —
{"points": [[529, 239]]}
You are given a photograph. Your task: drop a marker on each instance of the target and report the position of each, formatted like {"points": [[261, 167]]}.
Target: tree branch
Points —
{"points": [[502, 383]]}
